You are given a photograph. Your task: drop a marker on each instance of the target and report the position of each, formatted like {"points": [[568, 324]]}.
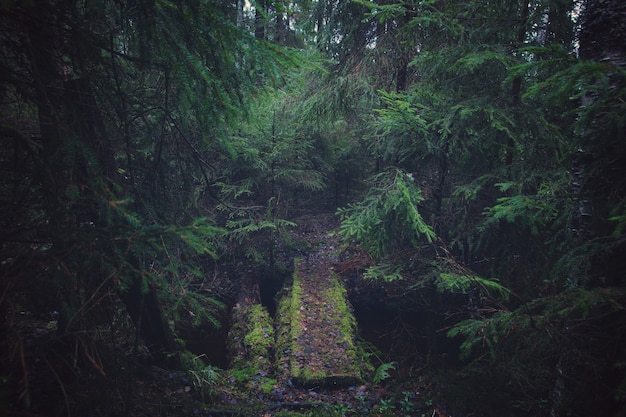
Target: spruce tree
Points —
{"points": [[112, 115]]}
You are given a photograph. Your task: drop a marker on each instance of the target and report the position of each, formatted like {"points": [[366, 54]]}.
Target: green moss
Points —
{"points": [[266, 385], [290, 325], [251, 340], [294, 310], [260, 338], [306, 376], [338, 296], [245, 374], [289, 316], [251, 336], [295, 330], [283, 315]]}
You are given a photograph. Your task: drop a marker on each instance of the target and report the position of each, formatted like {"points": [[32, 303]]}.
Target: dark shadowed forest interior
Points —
{"points": [[313, 208]]}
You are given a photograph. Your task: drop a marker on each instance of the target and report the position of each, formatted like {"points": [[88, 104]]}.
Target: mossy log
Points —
{"points": [[251, 345], [317, 332]]}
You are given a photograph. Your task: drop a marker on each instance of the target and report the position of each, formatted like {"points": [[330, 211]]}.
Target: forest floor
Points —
{"points": [[323, 351], [273, 392], [132, 385]]}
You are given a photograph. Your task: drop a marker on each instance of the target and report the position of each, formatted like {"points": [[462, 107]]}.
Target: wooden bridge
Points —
{"points": [[317, 330], [312, 341]]}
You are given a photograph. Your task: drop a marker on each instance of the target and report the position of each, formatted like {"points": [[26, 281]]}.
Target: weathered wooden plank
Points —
{"points": [[317, 343]]}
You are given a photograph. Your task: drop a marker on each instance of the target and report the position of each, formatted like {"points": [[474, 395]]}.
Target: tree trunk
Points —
{"points": [[42, 41], [443, 171], [47, 80], [77, 155], [86, 120], [281, 25], [516, 88], [402, 67], [598, 170], [146, 312], [259, 21]]}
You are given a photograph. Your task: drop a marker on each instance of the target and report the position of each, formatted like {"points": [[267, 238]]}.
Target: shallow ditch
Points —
{"points": [[209, 343], [400, 336], [412, 339], [270, 284]]}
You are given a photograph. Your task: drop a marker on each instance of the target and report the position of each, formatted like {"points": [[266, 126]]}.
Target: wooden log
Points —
{"points": [[317, 332]]}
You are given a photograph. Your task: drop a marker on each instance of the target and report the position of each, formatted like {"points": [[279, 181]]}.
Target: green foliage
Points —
{"points": [[203, 377], [257, 231], [211, 60], [201, 235], [577, 307], [452, 282], [243, 229], [332, 109], [440, 123], [382, 372], [245, 374], [126, 105], [481, 333], [383, 12], [186, 303], [618, 215], [566, 82], [489, 128], [114, 191], [270, 156], [406, 404], [384, 272], [536, 212], [177, 272], [388, 216]]}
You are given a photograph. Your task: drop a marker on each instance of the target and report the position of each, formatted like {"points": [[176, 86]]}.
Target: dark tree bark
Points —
{"points": [[516, 88], [42, 41], [402, 73], [260, 22], [87, 121], [144, 308], [598, 175], [599, 170], [603, 34], [404, 53], [77, 154]]}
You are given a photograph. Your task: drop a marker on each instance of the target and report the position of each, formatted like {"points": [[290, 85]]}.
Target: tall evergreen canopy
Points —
{"points": [[157, 153]]}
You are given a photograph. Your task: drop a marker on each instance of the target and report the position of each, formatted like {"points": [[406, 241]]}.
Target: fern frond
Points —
{"points": [[382, 372]]}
